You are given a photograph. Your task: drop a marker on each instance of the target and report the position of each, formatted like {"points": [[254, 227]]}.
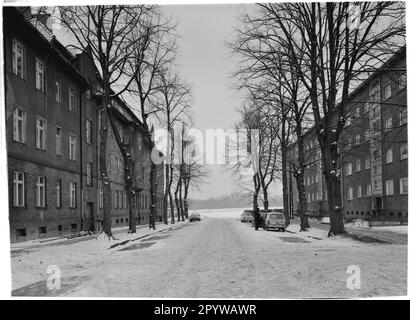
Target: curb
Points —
{"points": [[146, 235]]}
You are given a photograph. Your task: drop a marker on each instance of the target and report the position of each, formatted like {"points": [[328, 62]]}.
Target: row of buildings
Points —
{"points": [[53, 114], [373, 148]]}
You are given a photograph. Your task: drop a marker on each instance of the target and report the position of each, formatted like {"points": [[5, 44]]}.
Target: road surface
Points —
{"points": [[224, 258]]}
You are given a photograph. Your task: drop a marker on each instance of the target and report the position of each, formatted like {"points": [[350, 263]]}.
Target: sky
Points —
{"points": [[205, 61]]}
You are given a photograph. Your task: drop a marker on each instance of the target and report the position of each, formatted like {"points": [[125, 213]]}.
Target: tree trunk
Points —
{"points": [[303, 208], [153, 193], [334, 192], [181, 203], [186, 186], [103, 169], [166, 195], [285, 184], [265, 198], [177, 204]]}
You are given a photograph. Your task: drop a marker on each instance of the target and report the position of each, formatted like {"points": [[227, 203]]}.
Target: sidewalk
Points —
{"points": [[120, 234], [365, 234]]}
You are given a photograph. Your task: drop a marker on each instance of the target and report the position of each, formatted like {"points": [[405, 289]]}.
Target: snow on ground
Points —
{"points": [[30, 262], [396, 229], [218, 257]]}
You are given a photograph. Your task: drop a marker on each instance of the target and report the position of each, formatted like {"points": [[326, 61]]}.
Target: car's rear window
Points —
{"points": [[276, 216]]}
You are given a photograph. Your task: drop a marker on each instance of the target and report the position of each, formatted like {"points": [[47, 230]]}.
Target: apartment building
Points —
{"points": [[373, 146], [53, 120], [43, 111]]}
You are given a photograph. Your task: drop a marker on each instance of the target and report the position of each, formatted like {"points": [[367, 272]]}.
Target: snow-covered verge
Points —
{"points": [[30, 261]]}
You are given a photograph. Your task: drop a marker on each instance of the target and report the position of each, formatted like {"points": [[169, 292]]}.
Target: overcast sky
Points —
{"points": [[206, 62]]}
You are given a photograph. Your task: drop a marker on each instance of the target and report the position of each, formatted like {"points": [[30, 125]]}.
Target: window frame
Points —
{"points": [[71, 99], [401, 185], [389, 183], [41, 202], [72, 146], [23, 119], [72, 194], [16, 183], [38, 130], [14, 58], [40, 75]]}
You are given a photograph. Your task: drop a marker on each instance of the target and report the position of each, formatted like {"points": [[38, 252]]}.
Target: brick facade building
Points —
{"points": [[374, 165], [52, 126]]}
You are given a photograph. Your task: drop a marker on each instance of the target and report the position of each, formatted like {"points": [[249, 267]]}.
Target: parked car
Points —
{"points": [[194, 217], [247, 216], [275, 220]]}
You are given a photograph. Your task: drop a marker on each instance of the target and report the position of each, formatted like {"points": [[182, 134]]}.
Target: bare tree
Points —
{"points": [[154, 51], [104, 33], [331, 46], [172, 104]]}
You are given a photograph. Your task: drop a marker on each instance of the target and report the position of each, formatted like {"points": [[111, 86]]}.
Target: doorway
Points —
{"points": [[89, 217]]}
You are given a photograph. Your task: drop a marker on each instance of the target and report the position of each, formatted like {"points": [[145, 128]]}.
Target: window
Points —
{"points": [[357, 113], [349, 143], [389, 187], [402, 117], [350, 193], [139, 142], [389, 156], [369, 190], [59, 136], [73, 147], [18, 58], [367, 135], [41, 191], [40, 75], [58, 194], [358, 165], [73, 194], [88, 131], [402, 82], [101, 198], [88, 94], [41, 127], [403, 186], [116, 196], [89, 172], [21, 234], [42, 232], [308, 181], [376, 111], [359, 191], [18, 189], [121, 200], [388, 125], [357, 139], [349, 169], [318, 196], [19, 125], [71, 99], [366, 107], [387, 91], [403, 151], [58, 91]]}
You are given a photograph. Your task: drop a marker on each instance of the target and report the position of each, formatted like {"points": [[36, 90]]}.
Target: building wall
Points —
{"points": [[356, 148], [25, 157]]}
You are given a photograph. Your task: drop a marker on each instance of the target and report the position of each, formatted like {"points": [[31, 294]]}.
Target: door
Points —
{"points": [[90, 223], [379, 205]]}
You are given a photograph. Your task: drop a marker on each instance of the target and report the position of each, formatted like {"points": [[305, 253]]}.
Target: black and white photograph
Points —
{"points": [[226, 150]]}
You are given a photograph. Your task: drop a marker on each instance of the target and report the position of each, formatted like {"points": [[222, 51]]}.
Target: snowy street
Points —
{"points": [[218, 257]]}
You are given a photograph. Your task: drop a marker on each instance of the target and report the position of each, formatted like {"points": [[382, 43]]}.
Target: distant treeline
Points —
{"points": [[231, 201]]}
